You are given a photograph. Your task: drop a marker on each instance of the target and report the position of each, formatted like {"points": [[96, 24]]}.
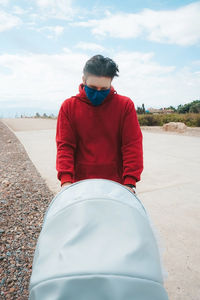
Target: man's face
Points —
{"points": [[97, 83]]}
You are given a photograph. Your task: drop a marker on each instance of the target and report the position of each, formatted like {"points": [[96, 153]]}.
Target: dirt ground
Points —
{"points": [[191, 131], [27, 124]]}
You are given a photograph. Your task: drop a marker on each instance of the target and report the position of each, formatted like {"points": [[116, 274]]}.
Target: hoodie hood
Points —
{"points": [[83, 97]]}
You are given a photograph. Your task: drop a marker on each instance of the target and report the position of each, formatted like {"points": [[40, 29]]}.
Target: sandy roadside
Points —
{"points": [[26, 124], [29, 124], [191, 131]]}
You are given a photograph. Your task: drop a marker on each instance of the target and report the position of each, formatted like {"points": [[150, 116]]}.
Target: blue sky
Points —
{"points": [[44, 45]]}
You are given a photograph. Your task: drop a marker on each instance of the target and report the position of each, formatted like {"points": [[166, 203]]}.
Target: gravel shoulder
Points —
{"points": [[24, 198]]}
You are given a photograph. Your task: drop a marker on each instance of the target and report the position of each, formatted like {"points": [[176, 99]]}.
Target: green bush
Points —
{"points": [[190, 119], [192, 107]]}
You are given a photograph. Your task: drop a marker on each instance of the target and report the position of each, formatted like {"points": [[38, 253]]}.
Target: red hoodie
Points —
{"points": [[103, 141]]}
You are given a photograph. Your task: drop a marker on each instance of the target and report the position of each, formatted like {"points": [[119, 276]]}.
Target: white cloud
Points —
{"points": [[4, 2], [40, 80], [180, 26], [114, 25], [60, 9], [66, 50], [146, 81], [89, 46], [8, 21], [18, 10], [44, 81], [141, 64], [58, 30], [53, 31]]}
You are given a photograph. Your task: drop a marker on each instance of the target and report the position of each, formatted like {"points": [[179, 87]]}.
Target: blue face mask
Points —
{"points": [[96, 97]]}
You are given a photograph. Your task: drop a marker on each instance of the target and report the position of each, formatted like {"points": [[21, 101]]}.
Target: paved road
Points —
{"points": [[169, 189]]}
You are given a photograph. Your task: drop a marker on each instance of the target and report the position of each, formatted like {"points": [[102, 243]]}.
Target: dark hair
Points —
{"points": [[99, 65]]}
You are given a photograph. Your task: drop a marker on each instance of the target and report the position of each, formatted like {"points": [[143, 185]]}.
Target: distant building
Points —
{"points": [[160, 110]]}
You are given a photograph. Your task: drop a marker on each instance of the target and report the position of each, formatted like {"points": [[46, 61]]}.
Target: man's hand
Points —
{"points": [[65, 184], [130, 189]]}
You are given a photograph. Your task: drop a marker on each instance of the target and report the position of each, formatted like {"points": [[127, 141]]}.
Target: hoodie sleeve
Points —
{"points": [[131, 148], [66, 146]]}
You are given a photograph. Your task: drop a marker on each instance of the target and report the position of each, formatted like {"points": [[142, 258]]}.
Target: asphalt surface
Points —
{"points": [[169, 189]]}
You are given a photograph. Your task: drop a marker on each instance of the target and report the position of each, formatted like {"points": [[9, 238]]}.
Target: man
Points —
{"points": [[98, 134]]}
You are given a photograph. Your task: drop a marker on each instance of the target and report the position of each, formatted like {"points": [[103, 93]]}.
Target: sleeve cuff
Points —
{"points": [[130, 180], [66, 178]]}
